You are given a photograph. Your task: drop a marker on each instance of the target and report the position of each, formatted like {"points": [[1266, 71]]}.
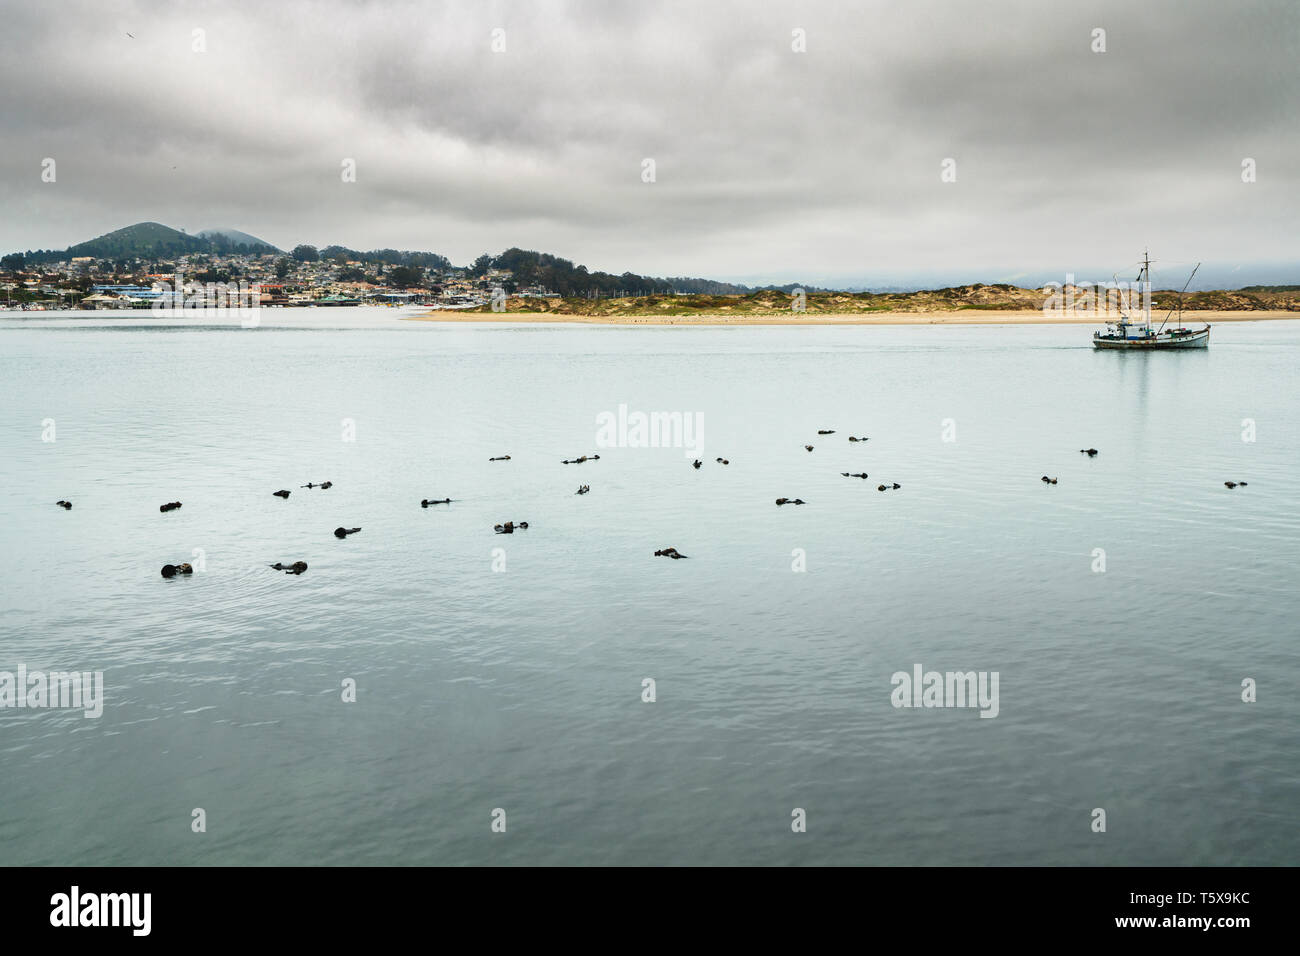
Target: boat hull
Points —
{"points": [[1199, 339]]}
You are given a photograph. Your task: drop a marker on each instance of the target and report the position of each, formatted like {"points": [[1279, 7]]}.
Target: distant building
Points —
{"points": [[101, 301]]}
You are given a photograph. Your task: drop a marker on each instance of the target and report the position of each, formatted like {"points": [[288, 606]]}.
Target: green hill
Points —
{"points": [[153, 240], [144, 239]]}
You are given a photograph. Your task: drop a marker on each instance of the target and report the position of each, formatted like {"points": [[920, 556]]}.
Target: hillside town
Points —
{"points": [[152, 266], [302, 278]]}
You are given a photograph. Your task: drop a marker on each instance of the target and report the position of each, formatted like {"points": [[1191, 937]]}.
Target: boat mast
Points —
{"points": [[1146, 289]]}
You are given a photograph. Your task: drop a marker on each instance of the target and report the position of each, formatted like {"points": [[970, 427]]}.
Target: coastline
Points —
{"points": [[960, 317]]}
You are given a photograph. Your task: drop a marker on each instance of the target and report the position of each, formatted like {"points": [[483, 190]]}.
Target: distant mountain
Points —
{"points": [[153, 240], [238, 238]]}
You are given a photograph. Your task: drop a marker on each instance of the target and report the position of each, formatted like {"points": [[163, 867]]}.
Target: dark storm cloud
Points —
{"points": [[771, 164]]}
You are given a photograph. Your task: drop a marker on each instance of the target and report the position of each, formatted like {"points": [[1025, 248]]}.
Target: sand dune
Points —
{"points": [[962, 317]]}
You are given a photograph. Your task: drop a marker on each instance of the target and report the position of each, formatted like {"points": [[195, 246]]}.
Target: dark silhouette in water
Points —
{"points": [[500, 458], [809, 447], [889, 487], [722, 461], [579, 461], [323, 484], [696, 464], [65, 505], [171, 570], [670, 553], [509, 527], [826, 431], [434, 501], [298, 567], [1234, 484], [1090, 452], [861, 474], [170, 506], [582, 490], [790, 501], [1048, 481], [281, 493], [851, 438], [341, 533]]}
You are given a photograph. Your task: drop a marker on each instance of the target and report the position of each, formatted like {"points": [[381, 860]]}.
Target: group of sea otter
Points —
{"points": [[893, 485], [298, 567], [509, 527]]}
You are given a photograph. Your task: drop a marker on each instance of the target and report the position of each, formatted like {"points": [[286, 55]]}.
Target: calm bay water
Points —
{"points": [[521, 689]]}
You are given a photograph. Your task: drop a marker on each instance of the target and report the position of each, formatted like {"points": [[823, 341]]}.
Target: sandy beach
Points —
{"points": [[962, 317]]}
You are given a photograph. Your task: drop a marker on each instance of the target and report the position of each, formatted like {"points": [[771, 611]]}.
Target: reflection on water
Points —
{"points": [[521, 688]]}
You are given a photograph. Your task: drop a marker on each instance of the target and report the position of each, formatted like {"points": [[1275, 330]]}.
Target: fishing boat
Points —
{"points": [[1134, 331]]}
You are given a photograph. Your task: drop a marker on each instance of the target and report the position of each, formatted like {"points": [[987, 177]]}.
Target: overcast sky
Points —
{"points": [[771, 165]]}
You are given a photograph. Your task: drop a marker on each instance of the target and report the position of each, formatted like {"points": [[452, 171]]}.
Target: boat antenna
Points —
{"points": [[1126, 299], [1180, 301]]}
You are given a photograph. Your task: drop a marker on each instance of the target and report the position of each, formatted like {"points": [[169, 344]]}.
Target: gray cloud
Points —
{"points": [[771, 165]]}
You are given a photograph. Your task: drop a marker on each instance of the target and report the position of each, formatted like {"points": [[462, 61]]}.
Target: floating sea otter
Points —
{"points": [[579, 461], [500, 458], [891, 486], [341, 533], [826, 431], [1090, 452], [670, 553], [434, 501], [583, 490], [281, 493], [298, 567], [171, 570], [809, 447], [722, 461], [790, 501], [696, 464], [851, 438], [1048, 481], [65, 505], [170, 506], [509, 527], [323, 484], [861, 474], [1234, 484]]}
